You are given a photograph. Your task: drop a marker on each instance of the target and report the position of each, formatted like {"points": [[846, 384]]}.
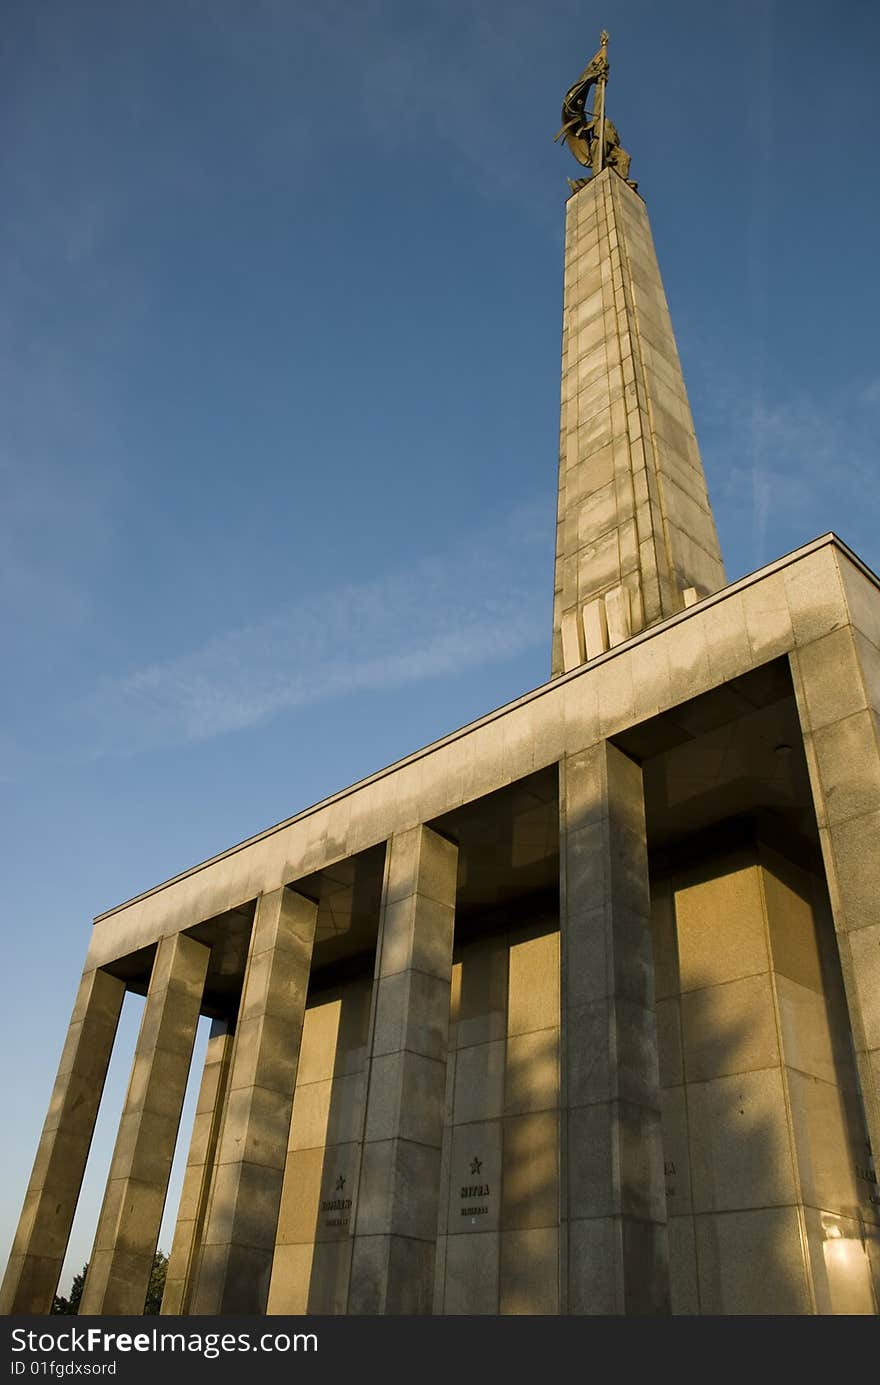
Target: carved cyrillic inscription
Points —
{"points": [[340, 1207], [473, 1193]]}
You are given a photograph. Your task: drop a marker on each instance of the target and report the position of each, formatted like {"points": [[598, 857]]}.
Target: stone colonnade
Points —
{"points": [[819, 612], [221, 1260]]}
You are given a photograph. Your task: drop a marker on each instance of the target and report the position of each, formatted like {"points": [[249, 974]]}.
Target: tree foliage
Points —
{"points": [[156, 1287], [71, 1305]]}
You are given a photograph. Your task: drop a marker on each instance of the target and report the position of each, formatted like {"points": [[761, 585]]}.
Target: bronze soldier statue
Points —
{"points": [[591, 136]]}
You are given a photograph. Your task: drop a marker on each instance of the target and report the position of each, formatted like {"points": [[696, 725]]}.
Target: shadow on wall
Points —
{"points": [[761, 1121], [498, 1240], [312, 1262], [763, 1140]]}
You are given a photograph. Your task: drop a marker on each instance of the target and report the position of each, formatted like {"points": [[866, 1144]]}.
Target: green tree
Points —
{"points": [[155, 1289], [156, 1286], [71, 1305]]}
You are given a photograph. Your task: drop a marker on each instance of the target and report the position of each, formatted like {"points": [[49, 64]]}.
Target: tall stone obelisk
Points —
{"points": [[636, 540]]}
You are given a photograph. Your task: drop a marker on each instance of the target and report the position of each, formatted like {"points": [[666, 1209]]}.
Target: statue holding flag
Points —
{"points": [[590, 135]]}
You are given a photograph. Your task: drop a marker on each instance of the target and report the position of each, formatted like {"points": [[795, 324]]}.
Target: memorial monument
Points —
{"points": [[575, 1011]]}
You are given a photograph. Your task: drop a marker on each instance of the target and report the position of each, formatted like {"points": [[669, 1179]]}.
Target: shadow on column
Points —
{"points": [[760, 1120], [312, 1260]]}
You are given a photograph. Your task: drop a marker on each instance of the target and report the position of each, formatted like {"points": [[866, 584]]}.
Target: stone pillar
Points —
{"points": [[396, 1225], [134, 1199], [498, 1241], [50, 1202], [634, 528], [837, 686], [311, 1267], [199, 1168], [614, 1253], [239, 1239]]}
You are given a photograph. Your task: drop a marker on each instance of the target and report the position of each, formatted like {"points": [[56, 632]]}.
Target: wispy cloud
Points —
{"points": [[474, 604], [789, 465]]}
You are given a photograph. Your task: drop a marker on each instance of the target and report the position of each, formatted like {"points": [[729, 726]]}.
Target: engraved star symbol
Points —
{"points": [[340, 1183], [476, 1165]]}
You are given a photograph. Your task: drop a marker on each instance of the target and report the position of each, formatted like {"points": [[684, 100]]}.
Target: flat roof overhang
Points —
{"points": [[706, 657]]}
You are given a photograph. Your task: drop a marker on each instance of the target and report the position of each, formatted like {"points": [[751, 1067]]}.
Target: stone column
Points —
{"points": [[396, 1225], [239, 1239], [614, 1254], [134, 1199], [50, 1202], [199, 1168], [761, 1135], [837, 686]]}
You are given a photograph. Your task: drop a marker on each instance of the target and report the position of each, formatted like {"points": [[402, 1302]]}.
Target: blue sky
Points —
{"points": [[280, 375]]}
